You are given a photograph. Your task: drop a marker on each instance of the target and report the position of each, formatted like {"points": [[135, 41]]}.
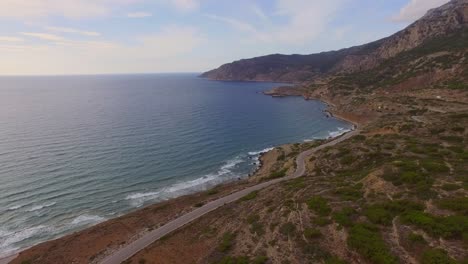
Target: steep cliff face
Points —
{"points": [[298, 68]]}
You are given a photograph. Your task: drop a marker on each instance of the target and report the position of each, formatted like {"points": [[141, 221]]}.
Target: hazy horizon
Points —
{"points": [[83, 37]]}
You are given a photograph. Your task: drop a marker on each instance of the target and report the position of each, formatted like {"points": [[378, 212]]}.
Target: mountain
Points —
{"points": [[442, 21]]}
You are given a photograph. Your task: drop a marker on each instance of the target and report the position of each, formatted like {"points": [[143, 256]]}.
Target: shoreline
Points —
{"points": [[245, 179]]}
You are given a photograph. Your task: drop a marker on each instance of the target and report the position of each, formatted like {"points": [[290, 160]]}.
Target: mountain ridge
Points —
{"points": [[299, 68]]}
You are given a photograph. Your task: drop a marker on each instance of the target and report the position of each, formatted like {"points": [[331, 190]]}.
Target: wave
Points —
{"points": [[224, 173], [255, 153], [8, 239], [39, 207], [339, 132], [15, 207], [87, 219]]}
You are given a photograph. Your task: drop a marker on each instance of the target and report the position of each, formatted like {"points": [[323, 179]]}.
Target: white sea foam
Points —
{"points": [[255, 153], [9, 238], [339, 132], [87, 219], [15, 207], [42, 206], [181, 188]]}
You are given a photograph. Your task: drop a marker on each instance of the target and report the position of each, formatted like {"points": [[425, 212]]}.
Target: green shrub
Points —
{"points": [[383, 213], [359, 138], [458, 204], [287, 229], [312, 233], [319, 205], [344, 217], [458, 129], [453, 139], [321, 221], [448, 227], [348, 159], [226, 242], [450, 187], [278, 174], [416, 238], [352, 193], [234, 260], [250, 196], [436, 256], [367, 241], [334, 260], [434, 166], [255, 226]]}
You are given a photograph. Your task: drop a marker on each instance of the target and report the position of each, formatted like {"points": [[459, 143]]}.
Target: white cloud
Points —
{"points": [[415, 9], [305, 20], [139, 14], [21, 9], [43, 36], [10, 39], [186, 5], [237, 24], [259, 12], [167, 50], [73, 31]]}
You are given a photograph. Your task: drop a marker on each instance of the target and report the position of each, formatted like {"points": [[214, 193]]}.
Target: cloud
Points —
{"points": [[10, 39], [73, 31], [259, 12], [139, 14], [43, 36], [301, 21], [415, 9], [21, 9], [167, 50], [236, 24], [186, 5]]}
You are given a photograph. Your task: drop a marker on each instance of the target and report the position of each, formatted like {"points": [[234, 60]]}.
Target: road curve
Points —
{"points": [[131, 249]]}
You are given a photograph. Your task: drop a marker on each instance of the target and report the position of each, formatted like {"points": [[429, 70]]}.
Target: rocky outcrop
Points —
{"points": [[299, 68]]}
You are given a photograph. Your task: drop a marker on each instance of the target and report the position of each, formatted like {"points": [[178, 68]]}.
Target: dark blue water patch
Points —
{"points": [[77, 150]]}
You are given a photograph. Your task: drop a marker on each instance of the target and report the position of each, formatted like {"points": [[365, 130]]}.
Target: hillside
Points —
{"points": [[298, 68]]}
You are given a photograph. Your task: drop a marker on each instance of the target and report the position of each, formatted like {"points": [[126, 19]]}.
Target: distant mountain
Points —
{"points": [[443, 21]]}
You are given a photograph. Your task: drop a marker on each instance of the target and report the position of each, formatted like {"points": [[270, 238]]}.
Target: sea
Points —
{"points": [[78, 150]]}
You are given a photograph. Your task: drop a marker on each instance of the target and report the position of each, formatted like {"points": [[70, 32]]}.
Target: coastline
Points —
{"points": [[230, 186]]}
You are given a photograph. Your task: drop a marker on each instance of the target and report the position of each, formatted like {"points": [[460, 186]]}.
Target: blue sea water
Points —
{"points": [[78, 150]]}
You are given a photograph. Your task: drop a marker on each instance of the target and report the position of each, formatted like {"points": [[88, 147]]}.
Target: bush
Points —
{"points": [[312, 233], [383, 213], [255, 226], [319, 205], [352, 193], [250, 196], [449, 227], [287, 229], [434, 166], [450, 187], [367, 241], [458, 204], [436, 256], [226, 242], [278, 174], [416, 238], [359, 138], [234, 260], [344, 217], [334, 260]]}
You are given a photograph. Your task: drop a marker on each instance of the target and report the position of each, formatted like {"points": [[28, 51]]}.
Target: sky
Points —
{"points": [[62, 37]]}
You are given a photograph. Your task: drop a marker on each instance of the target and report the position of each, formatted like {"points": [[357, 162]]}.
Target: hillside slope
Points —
{"points": [[297, 68]]}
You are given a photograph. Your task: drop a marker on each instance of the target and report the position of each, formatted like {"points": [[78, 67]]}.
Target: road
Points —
{"points": [[131, 249]]}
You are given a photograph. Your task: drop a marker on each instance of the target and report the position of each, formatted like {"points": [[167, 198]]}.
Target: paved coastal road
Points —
{"points": [[128, 251]]}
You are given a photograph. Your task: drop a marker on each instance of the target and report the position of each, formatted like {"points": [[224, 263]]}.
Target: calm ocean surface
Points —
{"points": [[75, 151]]}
